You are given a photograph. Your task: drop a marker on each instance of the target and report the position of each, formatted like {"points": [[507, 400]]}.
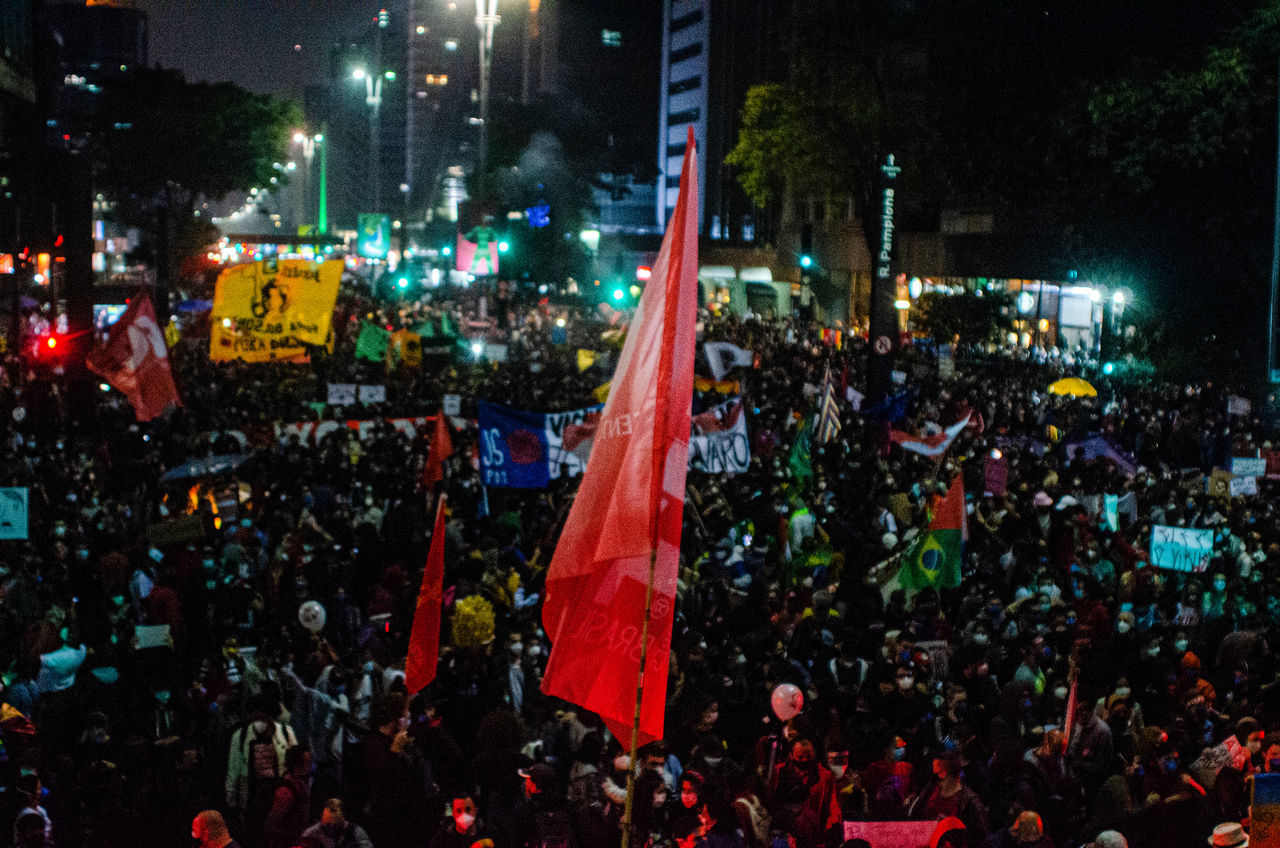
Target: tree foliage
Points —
{"points": [[780, 141], [969, 316], [159, 136]]}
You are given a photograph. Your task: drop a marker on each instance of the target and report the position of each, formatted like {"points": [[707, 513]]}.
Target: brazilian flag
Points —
{"points": [[934, 560]]}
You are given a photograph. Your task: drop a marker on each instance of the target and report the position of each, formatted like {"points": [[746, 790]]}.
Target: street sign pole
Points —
{"points": [[884, 289]]}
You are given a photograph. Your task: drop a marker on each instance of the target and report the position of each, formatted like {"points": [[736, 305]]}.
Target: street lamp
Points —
{"points": [[486, 19], [373, 97], [309, 144]]}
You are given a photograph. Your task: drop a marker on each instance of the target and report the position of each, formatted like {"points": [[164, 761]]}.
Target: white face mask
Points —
{"points": [[1123, 627], [905, 683], [261, 727], [1180, 645], [464, 821], [1060, 693], [837, 770]]}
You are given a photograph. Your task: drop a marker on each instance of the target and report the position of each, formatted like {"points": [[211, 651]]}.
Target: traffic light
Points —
{"points": [[806, 261], [504, 246], [403, 282]]}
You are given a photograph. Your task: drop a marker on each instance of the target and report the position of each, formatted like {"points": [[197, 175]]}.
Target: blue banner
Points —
{"points": [[527, 450]]}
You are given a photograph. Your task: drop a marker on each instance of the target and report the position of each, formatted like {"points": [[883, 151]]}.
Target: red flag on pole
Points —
{"points": [[628, 510], [135, 360], [424, 640], [440, 449]]}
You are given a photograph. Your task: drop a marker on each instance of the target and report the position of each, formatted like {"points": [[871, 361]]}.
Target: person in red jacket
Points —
{"points": [[803, 792]]}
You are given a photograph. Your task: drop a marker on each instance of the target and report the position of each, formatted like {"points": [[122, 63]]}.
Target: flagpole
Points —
{"points": [[635, 722]]}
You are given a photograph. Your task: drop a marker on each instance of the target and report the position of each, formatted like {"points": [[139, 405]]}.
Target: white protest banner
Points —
{"points": [[1243, 486], [719, 442], [1249, 466], [342, 394], [453, 405], [1111, 507], [314, 432], [373, 394], [13, 512], [898, 378], [495, 352], [1237, 405], [723, 356], [1181, 548], [946, 363], [854, 397]]}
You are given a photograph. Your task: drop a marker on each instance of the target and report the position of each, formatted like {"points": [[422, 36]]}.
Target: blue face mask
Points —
{"points": [[1169, 765], [899, 754]]}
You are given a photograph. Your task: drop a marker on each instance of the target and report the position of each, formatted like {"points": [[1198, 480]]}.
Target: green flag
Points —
{"points": [[934, 560], [799, 461], [447, 325], [427, 329], [372, 342]]}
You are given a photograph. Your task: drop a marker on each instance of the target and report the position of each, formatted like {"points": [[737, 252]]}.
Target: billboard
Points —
{"points": [[373, 236]]}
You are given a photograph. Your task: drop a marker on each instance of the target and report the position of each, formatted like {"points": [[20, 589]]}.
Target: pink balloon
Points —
{"points": [[787, 701]]}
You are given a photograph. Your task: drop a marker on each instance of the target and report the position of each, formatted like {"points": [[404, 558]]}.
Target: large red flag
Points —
{"points": [[424, 640], [630, 502], [440, 449], [135, 360]]}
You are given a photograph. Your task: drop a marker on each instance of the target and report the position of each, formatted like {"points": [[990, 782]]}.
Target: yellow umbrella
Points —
{"points": [[1073, 386]]}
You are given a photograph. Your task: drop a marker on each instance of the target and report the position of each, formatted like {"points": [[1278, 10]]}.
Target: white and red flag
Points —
{"points": [[935, 445], [628, 510], [135, 360]]}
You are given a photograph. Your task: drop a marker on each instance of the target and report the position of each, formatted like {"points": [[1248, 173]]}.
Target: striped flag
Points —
{"points": [[827, 426]]}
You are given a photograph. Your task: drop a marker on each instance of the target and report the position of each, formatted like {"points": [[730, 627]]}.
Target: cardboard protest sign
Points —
{"points": [[1181, 548], [1249, 466], [13, 512]]}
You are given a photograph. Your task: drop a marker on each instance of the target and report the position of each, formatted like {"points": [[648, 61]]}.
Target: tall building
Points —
{"points": [[98, 40], [18, 125], [712, 52]]}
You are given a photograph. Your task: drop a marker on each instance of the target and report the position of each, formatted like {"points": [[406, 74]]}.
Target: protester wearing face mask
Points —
{"points": [[888, 781], [804, 796], [849, 794], [950, 796], [1190, 689], [462, 829], [256, 760]]}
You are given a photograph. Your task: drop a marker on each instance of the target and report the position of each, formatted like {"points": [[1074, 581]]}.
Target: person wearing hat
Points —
{"points": [[1229, 835], [1191, 689]]}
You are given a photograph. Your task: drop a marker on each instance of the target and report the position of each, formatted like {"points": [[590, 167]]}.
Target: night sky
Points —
{"points": [[251, 42]]}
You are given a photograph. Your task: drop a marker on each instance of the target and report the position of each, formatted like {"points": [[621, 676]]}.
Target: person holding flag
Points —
{"points": [[610, 590], [934, 558]]}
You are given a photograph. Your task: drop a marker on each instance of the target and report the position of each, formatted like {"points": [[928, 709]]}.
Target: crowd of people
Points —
{"points": [[159, 682]]}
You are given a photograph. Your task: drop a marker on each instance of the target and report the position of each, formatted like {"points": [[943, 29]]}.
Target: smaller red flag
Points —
{"points": [[440, 449], [424, 640], [135, 360]]}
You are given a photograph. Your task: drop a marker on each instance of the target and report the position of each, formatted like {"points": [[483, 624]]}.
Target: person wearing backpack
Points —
{"points": [[291, 805]]}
